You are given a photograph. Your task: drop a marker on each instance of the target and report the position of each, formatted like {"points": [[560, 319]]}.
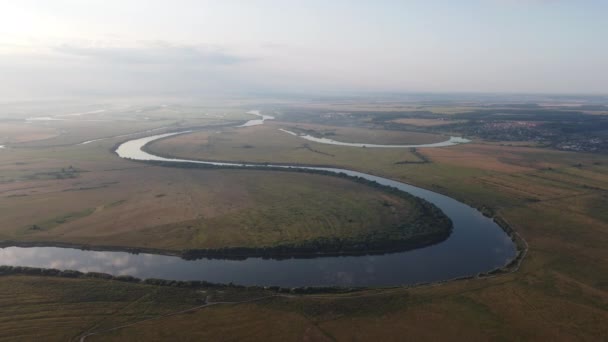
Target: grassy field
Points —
{"points": [[85, 195], [537, 303], [11, 133], [72, 125], [268, 144], [470, 172], [555, 200], [53, 309], [362, 135]]}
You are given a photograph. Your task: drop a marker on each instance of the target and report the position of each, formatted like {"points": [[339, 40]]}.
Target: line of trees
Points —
{"points": [[51, 272]]}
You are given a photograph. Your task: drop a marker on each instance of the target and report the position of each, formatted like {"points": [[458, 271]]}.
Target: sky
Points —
{"points": [[190, 47]]}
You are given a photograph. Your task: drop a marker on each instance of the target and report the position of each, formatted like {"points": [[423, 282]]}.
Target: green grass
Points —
{"points": [[283, 208]]}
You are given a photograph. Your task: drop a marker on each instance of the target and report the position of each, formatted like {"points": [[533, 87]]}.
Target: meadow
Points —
{"points": [[119, 203], [84, 195], [555, 200], [262, 144]]}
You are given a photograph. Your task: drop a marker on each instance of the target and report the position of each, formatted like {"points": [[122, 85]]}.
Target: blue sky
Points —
{"points": [[153, 47]]}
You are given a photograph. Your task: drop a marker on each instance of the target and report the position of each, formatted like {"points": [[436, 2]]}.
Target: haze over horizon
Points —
{"points": [[68, 47]]}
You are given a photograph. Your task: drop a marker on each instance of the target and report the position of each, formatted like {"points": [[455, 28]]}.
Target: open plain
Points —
{"points": [[85, 194]]}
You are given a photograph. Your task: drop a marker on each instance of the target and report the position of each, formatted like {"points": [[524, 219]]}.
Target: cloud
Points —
{"points": [[156, 53], [271, 45]]}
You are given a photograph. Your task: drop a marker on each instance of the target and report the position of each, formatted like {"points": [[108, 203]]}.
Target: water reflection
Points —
{"points": [[256, 122], [473, 249]]}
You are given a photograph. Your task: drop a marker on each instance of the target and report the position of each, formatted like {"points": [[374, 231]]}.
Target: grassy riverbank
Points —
{"points": [[268, 144], [363, 135], [85, 196], [512, 306]]}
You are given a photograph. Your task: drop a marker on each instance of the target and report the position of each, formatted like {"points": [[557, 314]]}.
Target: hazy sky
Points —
{"points": [[74, 47]]}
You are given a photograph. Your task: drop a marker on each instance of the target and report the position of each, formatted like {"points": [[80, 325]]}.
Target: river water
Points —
{"points": [[450, 142]]}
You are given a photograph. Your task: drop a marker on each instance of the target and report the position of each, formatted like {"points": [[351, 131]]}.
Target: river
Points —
{"points": [[477, 244]]}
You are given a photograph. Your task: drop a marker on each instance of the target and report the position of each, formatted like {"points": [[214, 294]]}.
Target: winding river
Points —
{"points": [[476, 245], [450, 142]]}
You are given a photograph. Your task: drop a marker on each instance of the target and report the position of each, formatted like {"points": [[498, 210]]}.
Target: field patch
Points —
{"points": [[167, 208], [426, 122], [266, 143], [363, 135], [14, 133]]}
